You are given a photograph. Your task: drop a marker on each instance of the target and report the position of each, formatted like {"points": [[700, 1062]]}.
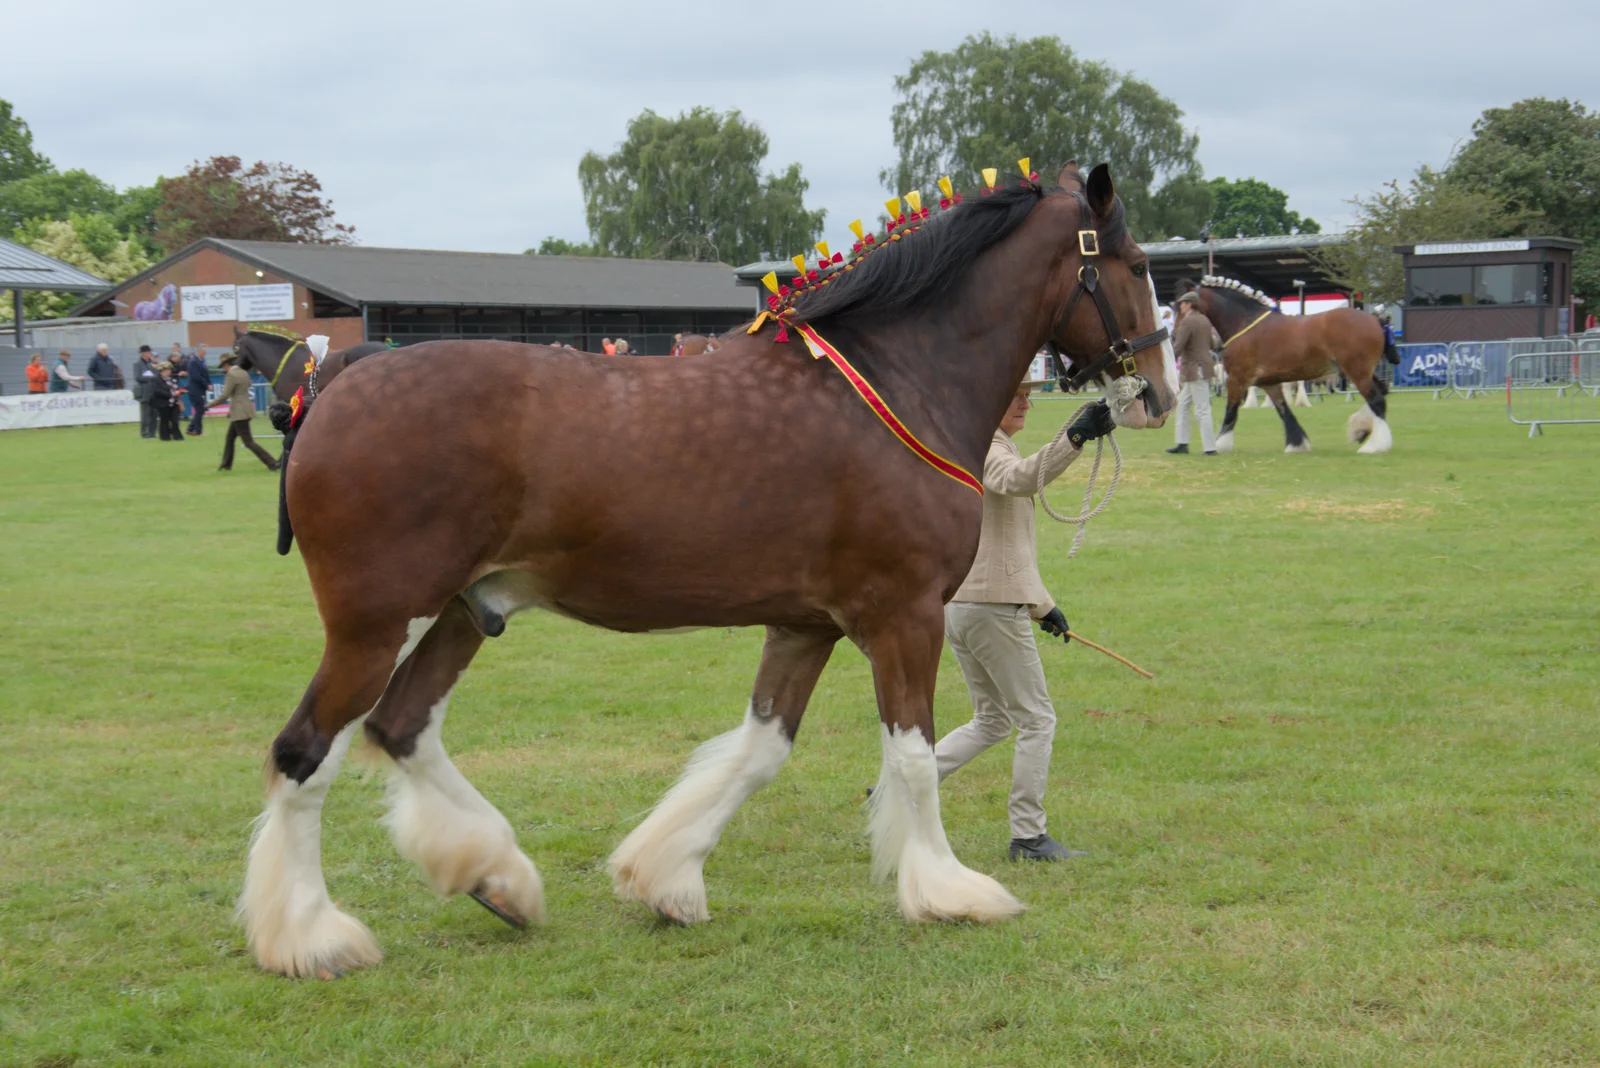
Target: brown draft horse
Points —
{"points": [[750, 486], [1264, 347]]}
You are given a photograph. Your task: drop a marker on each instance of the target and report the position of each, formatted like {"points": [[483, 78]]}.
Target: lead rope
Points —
{"points": [[1123, 391]]}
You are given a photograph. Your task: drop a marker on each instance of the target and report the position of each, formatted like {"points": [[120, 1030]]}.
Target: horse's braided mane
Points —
{"points": [[1229, 287], [924, 265], [268, 330]]}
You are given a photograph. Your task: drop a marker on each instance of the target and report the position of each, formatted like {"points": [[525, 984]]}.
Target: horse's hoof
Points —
{"points": [[328, 975], [672, 916], [499, 908]]}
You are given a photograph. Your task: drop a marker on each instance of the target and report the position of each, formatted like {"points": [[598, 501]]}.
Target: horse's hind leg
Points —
{"points": [[462, 842], [1294, 435], [1370, 425], [660, 863], [907, 832], [291, 924]]}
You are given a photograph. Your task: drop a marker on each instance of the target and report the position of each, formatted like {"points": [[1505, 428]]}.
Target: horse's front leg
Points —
{"points": [[907, 832], [1238, 386], [660, 863]]}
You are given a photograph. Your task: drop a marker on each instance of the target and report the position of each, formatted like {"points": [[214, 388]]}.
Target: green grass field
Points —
{"points": [[1352, 822]]}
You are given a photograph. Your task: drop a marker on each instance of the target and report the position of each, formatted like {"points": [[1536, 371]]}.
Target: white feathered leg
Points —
{"points": [[660, 863], [462, 843], [908, 838], [1380, 439], [292, 925]]}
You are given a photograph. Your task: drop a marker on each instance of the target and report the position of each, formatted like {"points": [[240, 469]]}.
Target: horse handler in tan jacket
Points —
{"points": [[988, 626]]}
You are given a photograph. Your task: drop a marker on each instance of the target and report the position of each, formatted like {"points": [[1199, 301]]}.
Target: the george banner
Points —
{"points": [[34, 410]]}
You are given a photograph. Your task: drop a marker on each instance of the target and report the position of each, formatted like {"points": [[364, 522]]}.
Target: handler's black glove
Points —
{"points": [[1055, 625], [1093, 422]]}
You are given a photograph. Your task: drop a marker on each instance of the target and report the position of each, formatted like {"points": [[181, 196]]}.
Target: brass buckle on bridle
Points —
{"points": [[1088, 243]]}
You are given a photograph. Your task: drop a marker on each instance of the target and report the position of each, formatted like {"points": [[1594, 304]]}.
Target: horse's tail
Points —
{"points": [[281, 416], [1390, 353]]}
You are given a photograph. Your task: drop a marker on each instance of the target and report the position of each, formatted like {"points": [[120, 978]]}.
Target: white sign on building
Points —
{"points": [[1456, 248], [266, 303], [210, 304]]}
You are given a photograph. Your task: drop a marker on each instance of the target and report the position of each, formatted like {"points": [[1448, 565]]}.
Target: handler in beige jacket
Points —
{"points": [[987, 626]]}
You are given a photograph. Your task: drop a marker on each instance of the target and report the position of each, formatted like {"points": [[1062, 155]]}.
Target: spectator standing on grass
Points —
{"points": [[608, 347], [199, 386], [987, 624], [1192, 344], [103, 370], [62, 378], [236, 395], [144, 374], [164, 399], [38, 377]]}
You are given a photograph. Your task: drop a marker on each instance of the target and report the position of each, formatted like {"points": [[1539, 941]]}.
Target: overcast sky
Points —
{"points": [[460, 125]]}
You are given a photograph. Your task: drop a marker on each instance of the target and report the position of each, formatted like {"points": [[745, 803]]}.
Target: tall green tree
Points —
{"points": [[54, 195], [1427, 208], [989, 102], [1247, 207], [18, 157], [1541, 158], [691, 188]]}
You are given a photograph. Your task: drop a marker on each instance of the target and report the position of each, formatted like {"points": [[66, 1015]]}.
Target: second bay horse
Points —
{"points": [[756, 485], [1263, 347]]}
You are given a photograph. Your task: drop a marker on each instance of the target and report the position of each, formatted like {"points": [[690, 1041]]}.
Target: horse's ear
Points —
{"points": [[1102, 193], [1069, 178], [240, 330]]}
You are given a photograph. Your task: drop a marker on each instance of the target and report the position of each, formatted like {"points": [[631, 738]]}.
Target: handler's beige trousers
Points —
{"points": [[1196, 394], [994, 645]]}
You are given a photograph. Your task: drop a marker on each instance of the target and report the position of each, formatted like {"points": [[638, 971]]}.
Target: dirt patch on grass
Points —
{"points": [[1390, 509]]}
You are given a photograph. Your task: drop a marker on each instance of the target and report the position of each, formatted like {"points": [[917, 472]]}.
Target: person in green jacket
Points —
{"points": [[236, 395]]}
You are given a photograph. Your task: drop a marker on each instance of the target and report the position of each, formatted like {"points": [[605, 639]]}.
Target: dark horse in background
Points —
{"points": [[749, 486], [1263, 347], [281, 359]]}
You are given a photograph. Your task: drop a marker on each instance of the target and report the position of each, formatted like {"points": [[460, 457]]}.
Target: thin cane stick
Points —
{"points": [[1108, 652]]}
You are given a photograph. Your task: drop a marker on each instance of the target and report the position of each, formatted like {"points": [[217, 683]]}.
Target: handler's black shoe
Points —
{"points": [[1211, 452], [1042, 848], [1179, 450]]}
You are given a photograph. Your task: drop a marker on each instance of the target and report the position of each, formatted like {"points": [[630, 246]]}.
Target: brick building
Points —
{"points": [[352, 293]]}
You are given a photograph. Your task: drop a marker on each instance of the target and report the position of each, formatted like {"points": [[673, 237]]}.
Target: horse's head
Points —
{"points": [[267, 354], [1110, 321]]}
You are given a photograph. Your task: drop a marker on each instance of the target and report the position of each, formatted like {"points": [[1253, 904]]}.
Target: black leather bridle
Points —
{"points": [[1119, 353]]}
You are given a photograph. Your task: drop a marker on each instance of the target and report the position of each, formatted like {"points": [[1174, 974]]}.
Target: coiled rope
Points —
{"points": [[1121, 394]]}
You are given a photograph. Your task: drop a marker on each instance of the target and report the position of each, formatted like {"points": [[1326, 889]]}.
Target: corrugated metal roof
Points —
{"points": [[23, 268], [425, 276]]}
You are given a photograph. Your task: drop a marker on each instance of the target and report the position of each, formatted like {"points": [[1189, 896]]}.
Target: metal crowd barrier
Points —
{"points": [[1562, 387]]}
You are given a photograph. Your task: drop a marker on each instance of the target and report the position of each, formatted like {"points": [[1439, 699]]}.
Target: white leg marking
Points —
{"points": [[461, 842], [660, 862], [1380, 440], [1359, 427], [1304, 446], [1225, 442], [908, 837], [416, 630], [289, 920]]}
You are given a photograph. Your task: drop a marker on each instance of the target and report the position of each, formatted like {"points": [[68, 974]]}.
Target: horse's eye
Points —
{"points": [[1140, 270]]}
